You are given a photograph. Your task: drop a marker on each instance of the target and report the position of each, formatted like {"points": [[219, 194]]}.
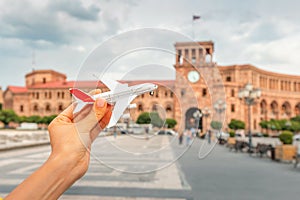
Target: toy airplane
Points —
{"points": [[120, 95]]}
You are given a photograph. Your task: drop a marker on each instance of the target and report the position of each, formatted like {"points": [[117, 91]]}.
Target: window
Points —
{"points": [[193, 55], [48, 108], [166, 93], [182, 92], [58, 95], [169, 108], [232, 108], [21, 108], [140, 107], [46, 95], [44, 80], [204, 92], [156, 95], [154, 107], [35, 108], [60, 107], [232, 93], [37, 95], [186, 53], [228, 79], [50, 95], [62, 95], [143, 95], [171, 94], [179, 58]]}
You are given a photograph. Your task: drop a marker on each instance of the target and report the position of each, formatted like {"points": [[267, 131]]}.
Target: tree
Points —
{"points": [[236, 124], [171, 122], [144, 118], [7, 116], [156, 120], [216, 125]]}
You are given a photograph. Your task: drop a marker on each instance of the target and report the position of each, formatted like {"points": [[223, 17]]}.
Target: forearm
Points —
{"points": [[55, 176]]}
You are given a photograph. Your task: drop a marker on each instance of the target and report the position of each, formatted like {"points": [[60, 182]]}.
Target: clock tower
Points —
{"points": [[195, 74]]}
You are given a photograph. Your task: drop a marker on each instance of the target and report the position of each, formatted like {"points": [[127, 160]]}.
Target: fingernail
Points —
{"points": [[100, 102]]}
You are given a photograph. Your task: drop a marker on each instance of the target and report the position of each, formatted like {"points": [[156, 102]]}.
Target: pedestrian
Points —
{"points": [[209, 136], [115, 132], [180, 138], [188, 135]]}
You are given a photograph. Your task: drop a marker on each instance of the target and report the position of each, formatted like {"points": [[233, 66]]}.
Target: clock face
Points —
{"points": [[193, 76]]}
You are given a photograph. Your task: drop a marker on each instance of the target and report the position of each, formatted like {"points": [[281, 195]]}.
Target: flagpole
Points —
{"points": [[193, 32], [195, 17]]}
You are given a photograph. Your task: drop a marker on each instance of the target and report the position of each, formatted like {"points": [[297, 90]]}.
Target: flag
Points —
{"points": [[195, 17]]}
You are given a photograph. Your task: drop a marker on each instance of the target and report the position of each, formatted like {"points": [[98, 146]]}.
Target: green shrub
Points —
{"points": [[216, 125], [236, 124], [144, 118], [286, 137], [171, 122], [231, 133]]}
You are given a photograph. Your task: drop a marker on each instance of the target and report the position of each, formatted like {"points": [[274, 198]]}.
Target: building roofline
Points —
{"points": [[259, 70], [45, 71]]}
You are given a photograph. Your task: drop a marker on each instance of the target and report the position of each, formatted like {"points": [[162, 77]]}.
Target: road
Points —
{"points": [[158, 168]]}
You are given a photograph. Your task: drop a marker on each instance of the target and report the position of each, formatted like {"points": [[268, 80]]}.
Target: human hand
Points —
{"points": [[71, 138], [71, 135]]}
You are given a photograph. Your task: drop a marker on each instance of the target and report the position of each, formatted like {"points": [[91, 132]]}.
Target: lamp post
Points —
{"points": [[249, 94], [197, 115], [206, 113], [220, 106]]}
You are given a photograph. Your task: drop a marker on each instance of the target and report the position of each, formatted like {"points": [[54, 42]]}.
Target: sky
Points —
{"points": [[63, 34]]}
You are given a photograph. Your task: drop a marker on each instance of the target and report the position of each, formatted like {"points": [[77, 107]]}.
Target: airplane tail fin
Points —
{"points": [[81, 97]]}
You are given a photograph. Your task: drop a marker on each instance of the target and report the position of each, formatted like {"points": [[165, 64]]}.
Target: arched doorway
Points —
{"points": [[193, 118]]}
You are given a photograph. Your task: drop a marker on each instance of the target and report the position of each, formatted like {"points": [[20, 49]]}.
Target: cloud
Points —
{"points": [[76, 9]]}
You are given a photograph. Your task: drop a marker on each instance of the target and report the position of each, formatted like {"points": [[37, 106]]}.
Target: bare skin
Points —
{"points": [[71, 138]]}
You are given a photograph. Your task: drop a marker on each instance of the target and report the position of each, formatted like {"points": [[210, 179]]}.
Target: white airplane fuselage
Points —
{"points": [[111, 97]]}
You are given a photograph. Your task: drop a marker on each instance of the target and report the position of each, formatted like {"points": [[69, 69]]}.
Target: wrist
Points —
{"points": [[71, 165]]}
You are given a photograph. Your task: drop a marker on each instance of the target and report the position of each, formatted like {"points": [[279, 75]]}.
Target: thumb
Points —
{"points": [[66, 116]]}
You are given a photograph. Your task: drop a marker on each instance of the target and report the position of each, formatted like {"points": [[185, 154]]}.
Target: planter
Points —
{"points": [[285, 152], [231, 141]]}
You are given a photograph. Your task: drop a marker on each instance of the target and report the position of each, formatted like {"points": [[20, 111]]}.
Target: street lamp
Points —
{"points": [[220, 106], [249, 94], [197, 115], [206, 113]]}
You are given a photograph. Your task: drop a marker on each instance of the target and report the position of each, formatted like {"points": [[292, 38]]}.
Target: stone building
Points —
{"points": [[199, 84]]}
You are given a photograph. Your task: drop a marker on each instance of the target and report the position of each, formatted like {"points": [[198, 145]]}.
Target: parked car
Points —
{"points": [[166, 132], [222, 135], [258, 135], [296, 137]]}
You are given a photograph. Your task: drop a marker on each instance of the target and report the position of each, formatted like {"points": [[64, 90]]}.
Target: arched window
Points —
{"points": [[48, 108], [169, 108], [274, 107], [154, 107], [60, 107], [140, 107], [263, 107], [286, 108], [35, 108], [297, 109]]}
